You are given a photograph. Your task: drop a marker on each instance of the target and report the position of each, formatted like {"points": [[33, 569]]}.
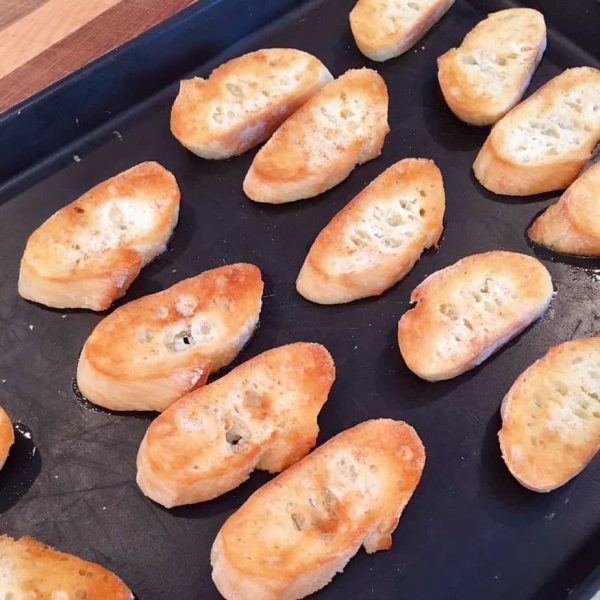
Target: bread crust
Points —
{"points": [[7, 436], [364, 250], [261, 415], [244, 100], [489, 72], [150, 352], [543, 119], [343, 125], [294, 534], [551, 416], [572, 225], [30, 569], [467, 311], [381, 36], [87, 253]]}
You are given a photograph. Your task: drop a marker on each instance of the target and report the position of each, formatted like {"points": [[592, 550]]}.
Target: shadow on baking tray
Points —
{"points": [[22, 466]]}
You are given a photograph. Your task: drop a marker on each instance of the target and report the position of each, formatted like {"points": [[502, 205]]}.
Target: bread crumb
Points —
{"points": [[76, 158], [30, 327]]}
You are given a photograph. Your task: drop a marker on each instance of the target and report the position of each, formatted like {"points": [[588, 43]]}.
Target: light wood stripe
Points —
{"points": [[108, 30], [46, 25], [12, 10]]}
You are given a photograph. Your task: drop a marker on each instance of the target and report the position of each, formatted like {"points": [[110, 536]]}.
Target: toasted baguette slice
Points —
{"points": [[318, 146], [467, 311], [551, 416], [7, 436], [375, 240], [490, 71], [384, 29], [543, 143], [572, 225], [31, 570], [150, 352], [293, 535], [244, 100], [87, 254], [261, 415]]}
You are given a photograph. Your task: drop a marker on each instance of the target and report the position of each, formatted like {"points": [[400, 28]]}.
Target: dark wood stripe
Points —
{"points": [[107, 31]]}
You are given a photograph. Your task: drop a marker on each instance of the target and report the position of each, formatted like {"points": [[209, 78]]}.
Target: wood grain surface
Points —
{"points": [[41, 41]]}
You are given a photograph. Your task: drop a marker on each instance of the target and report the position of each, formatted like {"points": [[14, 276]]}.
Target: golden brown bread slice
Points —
{"points": [[151, 351], [261, 415], [572, 225], [384, 29], [468, 310], [489, 72], [343, 125], [543, 143], [30, 570], [294, 534], [375, 240], [87, 254], [7, 436], [244, 100], [551, 416]]}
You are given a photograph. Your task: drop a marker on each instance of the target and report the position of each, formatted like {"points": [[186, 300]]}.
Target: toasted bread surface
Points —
{"points": [[244, 100], [31, 570], [150, 352], [551, 416], [542, 144], [87, 253], [263, 415], [468, 310], [384, 29], [343, 125], [295, 533], [490, 71], [7, 436], [375, 240], [572, 225]]}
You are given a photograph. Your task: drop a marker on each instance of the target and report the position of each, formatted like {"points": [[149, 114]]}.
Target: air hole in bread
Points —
{"points": [[485, 289], [448, 311], [144, 335], [180, 341], [330, 500], [252, 399], [237, 436], [299, 521], [592, 395], [234, 89]]}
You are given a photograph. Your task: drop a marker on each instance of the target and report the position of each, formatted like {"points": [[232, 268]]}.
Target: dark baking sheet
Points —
{"points": [[471, 531]]}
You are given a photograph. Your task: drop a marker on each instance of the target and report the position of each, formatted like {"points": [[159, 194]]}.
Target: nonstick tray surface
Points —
{"points": [[470, 531]]}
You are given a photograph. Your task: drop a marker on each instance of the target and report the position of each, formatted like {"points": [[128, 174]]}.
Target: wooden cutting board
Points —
{"points": [[41, 41]]}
